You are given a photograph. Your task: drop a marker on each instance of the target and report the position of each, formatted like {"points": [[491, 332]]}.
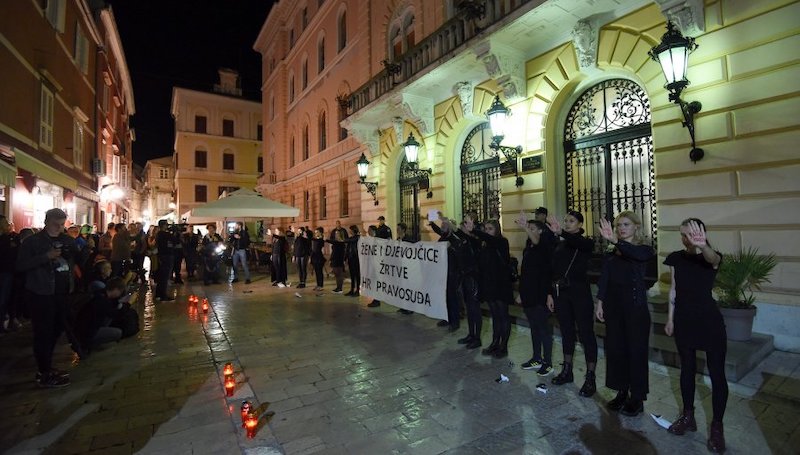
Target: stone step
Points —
{"points": [[741, 358]]}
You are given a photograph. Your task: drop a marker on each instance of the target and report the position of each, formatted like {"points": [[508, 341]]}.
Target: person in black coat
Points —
{"points": [[352, 261], [318, 257], [302, 248], [240, 241], [446, 234], [534, 283], [571, 297], [622, 305], [337, 260], [495, 283], [279, 249]]}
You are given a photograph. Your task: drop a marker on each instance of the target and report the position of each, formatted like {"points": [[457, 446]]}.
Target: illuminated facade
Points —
{"points": [[217, 142], [590, 112]]}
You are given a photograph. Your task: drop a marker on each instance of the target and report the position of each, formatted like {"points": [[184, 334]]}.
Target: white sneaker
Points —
{"points": [[281, 285]]}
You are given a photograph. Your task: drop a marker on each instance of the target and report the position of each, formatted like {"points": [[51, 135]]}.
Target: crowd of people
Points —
{"points": [[50, 265]]}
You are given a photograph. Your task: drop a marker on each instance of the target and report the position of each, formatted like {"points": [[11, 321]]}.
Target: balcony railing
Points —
{"points": [[473, 17]]}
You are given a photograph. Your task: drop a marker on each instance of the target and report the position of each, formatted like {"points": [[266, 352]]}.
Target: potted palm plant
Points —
{"points": [[739, 275]]}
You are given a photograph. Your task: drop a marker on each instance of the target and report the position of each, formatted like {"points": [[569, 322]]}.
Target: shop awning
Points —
{"points": [[8, 174], [43, 171]]}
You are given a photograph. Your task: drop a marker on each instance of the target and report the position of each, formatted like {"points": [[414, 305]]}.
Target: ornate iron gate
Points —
{"points": [[410, 184], [480, 175], [609, 156]]}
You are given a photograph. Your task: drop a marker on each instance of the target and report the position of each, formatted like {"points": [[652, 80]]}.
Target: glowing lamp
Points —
{"points": [[205, 305], [228, 369], [230, 385], [251, 424]]}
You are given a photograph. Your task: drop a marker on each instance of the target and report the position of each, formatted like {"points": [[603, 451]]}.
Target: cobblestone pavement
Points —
{"points": [[342, 378]]}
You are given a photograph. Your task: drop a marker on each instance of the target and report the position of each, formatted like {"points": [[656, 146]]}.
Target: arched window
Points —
{"points": [[401, 34], [321, 55], [480, 175], [291, 152], [291, 88], [608, 147], [342, 29], [304, 75], [323, 135], [305, 142]]}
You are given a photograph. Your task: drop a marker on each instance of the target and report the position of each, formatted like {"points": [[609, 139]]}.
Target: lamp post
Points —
{"points": [[498, 118], [362, 165], [672, 53]]}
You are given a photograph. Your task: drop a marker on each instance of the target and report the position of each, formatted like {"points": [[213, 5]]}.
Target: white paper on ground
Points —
{"points": [[662, 422]]}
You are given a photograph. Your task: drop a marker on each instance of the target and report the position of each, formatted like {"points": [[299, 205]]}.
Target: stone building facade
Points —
{"points": [[589, 110]]}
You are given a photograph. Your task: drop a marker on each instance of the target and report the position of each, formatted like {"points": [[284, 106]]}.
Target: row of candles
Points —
{"points": [[248, 411]]}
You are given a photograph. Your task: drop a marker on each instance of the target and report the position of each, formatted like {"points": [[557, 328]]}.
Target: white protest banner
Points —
{"points": [[412, 276]]}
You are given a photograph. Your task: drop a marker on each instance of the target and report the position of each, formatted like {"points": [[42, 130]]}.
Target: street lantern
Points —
{"points": [[672, 53], [411, 148], [363, 167], [498, 115]]}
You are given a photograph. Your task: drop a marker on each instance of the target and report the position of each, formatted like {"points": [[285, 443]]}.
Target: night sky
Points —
{"points": [[182, 43]]}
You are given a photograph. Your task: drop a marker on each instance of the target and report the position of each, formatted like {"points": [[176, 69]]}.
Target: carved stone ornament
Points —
{"points": [[584, 40], [364, 134], [506, 66], [397, 123], [417, 109], [465, 91], [687, 15]]}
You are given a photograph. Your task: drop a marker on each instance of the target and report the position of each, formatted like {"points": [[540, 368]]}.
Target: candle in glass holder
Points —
{"points": [[251, 423], [205, 305], [230, 384], [228, 369], [246, 408]]}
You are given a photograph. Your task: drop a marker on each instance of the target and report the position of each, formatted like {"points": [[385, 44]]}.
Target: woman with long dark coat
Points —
{"points": [[352, 262], [318, 257], [622, 305], [495, 283]]}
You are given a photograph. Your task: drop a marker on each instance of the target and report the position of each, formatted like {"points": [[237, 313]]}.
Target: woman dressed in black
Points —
{"points": [[697, 324], [352, 262], [571, 297], [337, 259], [534, 283], [622, 305], [495, 283], [317, 257], [279, 249]]}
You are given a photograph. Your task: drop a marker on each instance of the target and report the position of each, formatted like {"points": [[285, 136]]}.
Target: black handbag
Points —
{"points": [[564, 282]]}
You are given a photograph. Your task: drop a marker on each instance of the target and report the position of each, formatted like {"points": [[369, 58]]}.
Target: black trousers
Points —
{"points": [[178, 262], [318, 266], [165, 268], [469, 292], [574, 306], [626, 345], [453, 297], [715, 361], [302, 268], [355, 275], [501, 322], [48, 316], [280, 270], [541, 333]]}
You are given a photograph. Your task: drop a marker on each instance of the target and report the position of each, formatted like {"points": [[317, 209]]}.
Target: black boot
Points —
{"points": [[633, 407], [618, 401], [466, 339], [589, 386], [502, 349], [565, 376], [492, 347]]}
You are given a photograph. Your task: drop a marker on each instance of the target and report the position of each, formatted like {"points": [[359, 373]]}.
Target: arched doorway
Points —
{"points": [[411, 182], [480, 175], [608, 147]]}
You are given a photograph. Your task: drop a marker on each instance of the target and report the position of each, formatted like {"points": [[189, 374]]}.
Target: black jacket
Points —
{"points": [[624, 271], [495, 278], [302, 246], [243, 242]]}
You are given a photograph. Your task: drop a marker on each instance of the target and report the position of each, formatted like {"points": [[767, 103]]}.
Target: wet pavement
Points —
{"points": [[342, 378]]}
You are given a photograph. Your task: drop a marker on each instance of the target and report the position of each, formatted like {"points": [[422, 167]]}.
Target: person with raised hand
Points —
{"points": [[622, 305], [534, 283], [695, 321], [571, 298]]}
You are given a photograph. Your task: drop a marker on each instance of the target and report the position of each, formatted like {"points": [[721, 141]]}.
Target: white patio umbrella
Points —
{"points": [[242, 203]]}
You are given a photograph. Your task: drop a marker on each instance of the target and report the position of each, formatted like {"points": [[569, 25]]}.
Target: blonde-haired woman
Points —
{"points": [[622, 305]]}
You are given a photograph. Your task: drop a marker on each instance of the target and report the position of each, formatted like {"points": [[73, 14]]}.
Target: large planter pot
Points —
{"points": [[738, 323]]}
